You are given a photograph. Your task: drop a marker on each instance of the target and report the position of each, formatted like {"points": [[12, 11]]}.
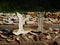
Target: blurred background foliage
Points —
{"points": [[29, 5]]}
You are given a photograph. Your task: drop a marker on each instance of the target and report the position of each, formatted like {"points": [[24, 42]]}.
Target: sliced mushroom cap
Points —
{"points": [[56, 28], [3, 36], [18, 40], [1, 32], [48, 37], [9, 40]]}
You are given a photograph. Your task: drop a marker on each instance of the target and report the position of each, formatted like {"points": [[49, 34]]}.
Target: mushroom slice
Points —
{"points": [[18, 39], [1, 32], [3, 36], [9, 40]]}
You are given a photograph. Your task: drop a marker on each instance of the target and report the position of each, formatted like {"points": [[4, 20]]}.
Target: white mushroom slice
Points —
{"points": [[3, 36], [18, 40], [50, 29], [33, 33], [1, 32], [57, 29], [26, 38], [55, 37], [9, 40], [30, 22], [48, 37], [56, 32], [31, 37]]}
